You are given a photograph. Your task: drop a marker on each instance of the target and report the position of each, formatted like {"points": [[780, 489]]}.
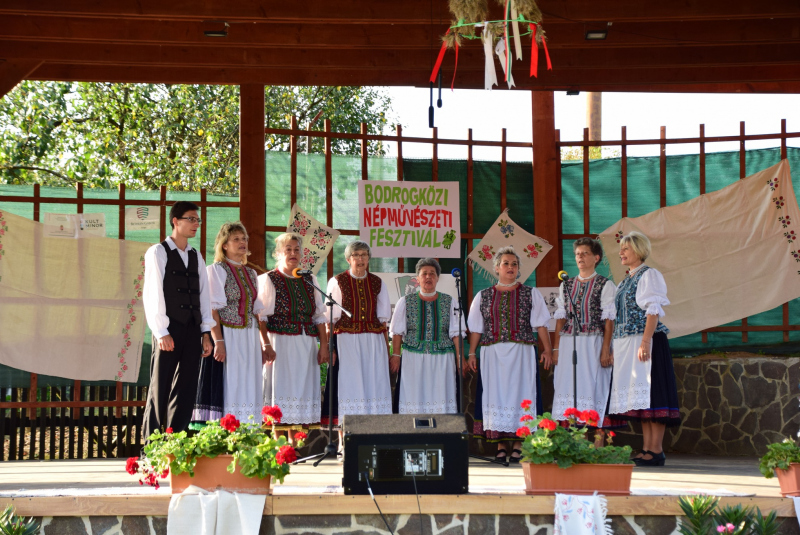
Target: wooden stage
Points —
{"points": [[102, 487]]}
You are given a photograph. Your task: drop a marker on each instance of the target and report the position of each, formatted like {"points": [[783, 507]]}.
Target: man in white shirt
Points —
{"points": [[178, 311]]}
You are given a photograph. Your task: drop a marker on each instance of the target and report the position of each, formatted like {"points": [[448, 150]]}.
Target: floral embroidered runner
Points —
{"points": [[725, 255], [531, 249], [70, 308], [581, 515], [318, 239]]}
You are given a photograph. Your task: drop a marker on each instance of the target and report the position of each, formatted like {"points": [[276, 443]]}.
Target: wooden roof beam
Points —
{"points": [[765, 78], [13, 71]]}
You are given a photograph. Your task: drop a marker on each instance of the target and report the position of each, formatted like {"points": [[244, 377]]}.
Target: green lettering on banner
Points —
{"points": [[436, 242], [367, 193], [372, 237], [427, 241], [387, 194], [396, 194], [412, 197], [378, 193], [379, 241], [404, 195], [439, 197]]}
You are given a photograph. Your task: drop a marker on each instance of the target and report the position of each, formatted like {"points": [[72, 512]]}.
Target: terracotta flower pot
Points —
{"points": [[789, 480], [212, 474], [606, 479]]}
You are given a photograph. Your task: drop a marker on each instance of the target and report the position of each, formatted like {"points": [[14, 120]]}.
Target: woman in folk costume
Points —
{"points": [[230, 383], [296, 344], [593, 296], [359, 374], [505, 319], [643, 386], [425, 325]]}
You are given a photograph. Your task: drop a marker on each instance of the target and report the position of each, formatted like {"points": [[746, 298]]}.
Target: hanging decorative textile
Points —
{"points": [[581, 515], [502, 52], [489, 74], [318, 239], [504, 231], [725, 255]]}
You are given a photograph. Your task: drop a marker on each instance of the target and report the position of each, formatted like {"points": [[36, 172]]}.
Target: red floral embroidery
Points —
{"points": [[785, 220], [126, 343], [772, 183], [790, 236], [779, 202]]}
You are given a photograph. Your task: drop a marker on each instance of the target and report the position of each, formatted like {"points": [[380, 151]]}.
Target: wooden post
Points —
{"points": [[546, 200], [252, 171]]}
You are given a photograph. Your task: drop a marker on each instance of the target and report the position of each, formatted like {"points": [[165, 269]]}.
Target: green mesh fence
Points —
{"points": [[605, 208]]}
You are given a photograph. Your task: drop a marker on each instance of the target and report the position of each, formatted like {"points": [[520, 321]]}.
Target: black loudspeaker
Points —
{"points": [[394, 451]]}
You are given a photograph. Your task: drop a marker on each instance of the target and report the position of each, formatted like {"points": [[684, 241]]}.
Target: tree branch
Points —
{"points": [[34, 168]]}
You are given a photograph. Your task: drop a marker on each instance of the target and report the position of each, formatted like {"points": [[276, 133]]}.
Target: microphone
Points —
{"points": [[456, 273], [562, 276], [298, 273]]}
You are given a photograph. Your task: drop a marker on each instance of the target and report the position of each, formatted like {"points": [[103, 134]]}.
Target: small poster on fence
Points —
{"points": [[141, 218], [74, 225], [410, 219], [91, 225]]}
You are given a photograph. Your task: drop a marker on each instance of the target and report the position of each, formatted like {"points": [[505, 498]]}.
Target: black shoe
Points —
{"points": [[658, 459], [513, 459], [502, 458]]}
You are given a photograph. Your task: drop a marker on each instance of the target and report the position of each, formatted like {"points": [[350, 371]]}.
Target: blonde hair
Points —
{"points": [[226, 230], [282, 240], [638, 242], [508, 249]]}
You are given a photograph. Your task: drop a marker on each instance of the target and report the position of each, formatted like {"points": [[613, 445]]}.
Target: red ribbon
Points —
{"points": [[453, 83], [439, 60], [534, 53]]}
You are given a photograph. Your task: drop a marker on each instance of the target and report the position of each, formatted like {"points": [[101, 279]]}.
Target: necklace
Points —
{"points": [[504, 285], [423, 294], [632, 272], [593, 275]]}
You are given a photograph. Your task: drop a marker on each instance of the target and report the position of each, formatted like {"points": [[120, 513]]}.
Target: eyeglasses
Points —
{"points": [[192, 220], [359, 255]]}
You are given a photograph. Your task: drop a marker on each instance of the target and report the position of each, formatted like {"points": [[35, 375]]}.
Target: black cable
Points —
{"points": [[369, 487], [414, 479]]}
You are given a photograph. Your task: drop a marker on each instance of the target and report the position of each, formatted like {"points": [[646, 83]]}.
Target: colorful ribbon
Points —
{"points": [[439, 60], [535, 52]]}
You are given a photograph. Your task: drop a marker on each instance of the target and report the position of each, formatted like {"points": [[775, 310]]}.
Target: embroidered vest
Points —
{"points": [[631, 319], [241, 290], [294, 305], [359, 296], [586, 297], [507, 316], [428, 325], [182, 287]]}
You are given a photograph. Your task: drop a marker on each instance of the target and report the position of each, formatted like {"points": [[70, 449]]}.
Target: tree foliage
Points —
{"points": [[148, 135]]}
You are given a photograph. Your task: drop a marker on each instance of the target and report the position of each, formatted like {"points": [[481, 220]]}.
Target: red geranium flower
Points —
{"points": [[272, 414], [165, 473], [526, 404], [285, 455], [550, 425], [132, 466], [572, 412], [168, 430], [523, 431], [526, 418], [300, 436], [229, 422], [590, 417], [612, 434]]}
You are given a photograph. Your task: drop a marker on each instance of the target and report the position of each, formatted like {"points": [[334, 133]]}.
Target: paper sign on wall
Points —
{"points": [[141, 218], [74, 225], [410, 219]]}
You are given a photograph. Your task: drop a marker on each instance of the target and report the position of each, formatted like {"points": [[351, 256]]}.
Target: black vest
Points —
{"points": [[182, 287]]}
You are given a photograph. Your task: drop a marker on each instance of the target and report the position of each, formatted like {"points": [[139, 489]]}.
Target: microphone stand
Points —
{"points": [[575, 323], [461, 408], [330, 449]]}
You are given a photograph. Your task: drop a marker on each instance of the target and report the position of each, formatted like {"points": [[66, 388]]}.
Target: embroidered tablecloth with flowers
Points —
{"points": [[318, 239], [725, 255], [504, 231], [69, 307]]}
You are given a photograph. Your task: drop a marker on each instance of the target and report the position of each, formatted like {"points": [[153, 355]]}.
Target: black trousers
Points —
{"points": [[173, 380]]}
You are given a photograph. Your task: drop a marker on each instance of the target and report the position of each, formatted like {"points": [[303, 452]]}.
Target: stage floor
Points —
{"points": [[738, 476]]}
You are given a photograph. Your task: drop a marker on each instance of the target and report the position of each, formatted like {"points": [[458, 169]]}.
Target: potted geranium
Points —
{"points": [[783, 459], [561, 459], [225, 454]]}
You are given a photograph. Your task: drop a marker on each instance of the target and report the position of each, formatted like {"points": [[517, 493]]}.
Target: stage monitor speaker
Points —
{"points": [[396, 450]]}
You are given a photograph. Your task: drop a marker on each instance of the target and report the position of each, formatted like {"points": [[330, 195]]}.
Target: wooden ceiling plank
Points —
{"points": [[13, 71], [407, 10], [374, 36]]}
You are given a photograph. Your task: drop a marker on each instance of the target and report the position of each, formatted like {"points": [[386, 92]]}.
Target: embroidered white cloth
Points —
{"points": [[581, 515], [531, 249], [201, 512], [318, 239], [796, 501], [70, 308], [724, 255]]}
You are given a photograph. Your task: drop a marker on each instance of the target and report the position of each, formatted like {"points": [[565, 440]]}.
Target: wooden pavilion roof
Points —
{"points": [[695, 45]]}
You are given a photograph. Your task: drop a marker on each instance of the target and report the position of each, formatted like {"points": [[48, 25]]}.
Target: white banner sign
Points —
{"points": [[75, 225], [141, 218], [410, 219]]}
